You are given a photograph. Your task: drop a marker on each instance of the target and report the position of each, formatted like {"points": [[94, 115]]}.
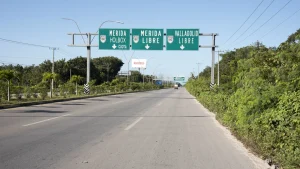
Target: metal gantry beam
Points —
{"points": [[88, 45]]}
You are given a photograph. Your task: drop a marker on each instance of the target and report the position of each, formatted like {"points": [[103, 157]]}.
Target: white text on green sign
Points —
{"points": [[182, 39], [147, 39], [114, 39]]}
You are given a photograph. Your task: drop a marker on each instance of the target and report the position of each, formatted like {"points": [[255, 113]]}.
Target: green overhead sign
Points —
{"points": [[182, 39], [179, 78], [147, 39], [114, 39]]}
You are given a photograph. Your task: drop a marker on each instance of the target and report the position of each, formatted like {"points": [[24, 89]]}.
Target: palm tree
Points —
{"points": [[76, 79], [48, 77], [7, 75]]}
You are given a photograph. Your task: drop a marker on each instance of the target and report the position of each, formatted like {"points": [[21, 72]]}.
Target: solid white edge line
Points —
{"points": [[134, 123], [45, 120]]}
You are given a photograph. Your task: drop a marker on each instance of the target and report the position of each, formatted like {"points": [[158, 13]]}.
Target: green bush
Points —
{"points": [[258, 98], [3, 90], [43, 92], [63, 91], [135, 86], [278, 129], [28, 92], [35, 91], [18, 91], [70, 88], [80, 90]]}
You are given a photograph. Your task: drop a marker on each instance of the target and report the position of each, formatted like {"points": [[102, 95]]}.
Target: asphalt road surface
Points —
{"points": [[164, 129]]}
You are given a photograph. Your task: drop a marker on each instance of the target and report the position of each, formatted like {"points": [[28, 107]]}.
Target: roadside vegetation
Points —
{"points": [[258, 98], [33, 83]]}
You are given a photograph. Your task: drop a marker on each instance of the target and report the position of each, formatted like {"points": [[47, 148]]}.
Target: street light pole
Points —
{"points": [[128, 66], [88, 44], [77, 27], [106, 22], [145, 68]]}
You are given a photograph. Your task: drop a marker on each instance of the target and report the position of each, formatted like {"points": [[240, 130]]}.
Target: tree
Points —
{"points": [[76, 79], [32, 75], [136, 76], [78, 67], [7, 75], [48, 77], [108, 68], [258, 98]]}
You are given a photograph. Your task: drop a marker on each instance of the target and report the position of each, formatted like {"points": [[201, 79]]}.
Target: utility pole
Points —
{"points": [[219, 66], [52, 81]]}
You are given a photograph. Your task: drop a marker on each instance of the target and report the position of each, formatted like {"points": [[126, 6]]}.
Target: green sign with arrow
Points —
{"points": [[147, 39], [114, 39], [182, 39], [179, 78]]}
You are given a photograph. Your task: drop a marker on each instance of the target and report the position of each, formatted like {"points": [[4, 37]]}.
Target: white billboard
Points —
{"points": [[139, 63]]}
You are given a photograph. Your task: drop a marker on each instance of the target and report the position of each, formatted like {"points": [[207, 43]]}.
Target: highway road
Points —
{"points": [[163, 129]]}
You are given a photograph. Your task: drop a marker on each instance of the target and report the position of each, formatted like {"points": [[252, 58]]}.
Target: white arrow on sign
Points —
{"points": [[147, 46], [114, 46], [181, 47]]}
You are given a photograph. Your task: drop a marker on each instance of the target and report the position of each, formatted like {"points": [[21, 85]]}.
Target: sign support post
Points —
{"points": [[212, 81], [88, 60], [88, 46]]}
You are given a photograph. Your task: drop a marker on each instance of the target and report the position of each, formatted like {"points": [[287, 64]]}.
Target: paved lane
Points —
{"points": [[158, 129]]}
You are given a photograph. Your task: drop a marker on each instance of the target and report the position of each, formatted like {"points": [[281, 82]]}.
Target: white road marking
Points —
{"points": [[45, 120], [159, 104], [118, 102], [134, 123]]}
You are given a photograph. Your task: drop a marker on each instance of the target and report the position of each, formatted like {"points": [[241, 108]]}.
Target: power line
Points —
{"points": [[253, 22], [62, 53], [266, 21], [22, 57], [281, 23], [244, 22], [24, 43], [66, 52]]}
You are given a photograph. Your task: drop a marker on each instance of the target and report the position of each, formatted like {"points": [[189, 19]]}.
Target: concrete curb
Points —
{"points": [[65, 99]]}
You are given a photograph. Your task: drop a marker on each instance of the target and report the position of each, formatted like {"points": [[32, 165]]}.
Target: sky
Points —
{"points": [[39, 22]]}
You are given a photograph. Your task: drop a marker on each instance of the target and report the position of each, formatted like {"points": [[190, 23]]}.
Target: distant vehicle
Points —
{"points": [[175, 86]]}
